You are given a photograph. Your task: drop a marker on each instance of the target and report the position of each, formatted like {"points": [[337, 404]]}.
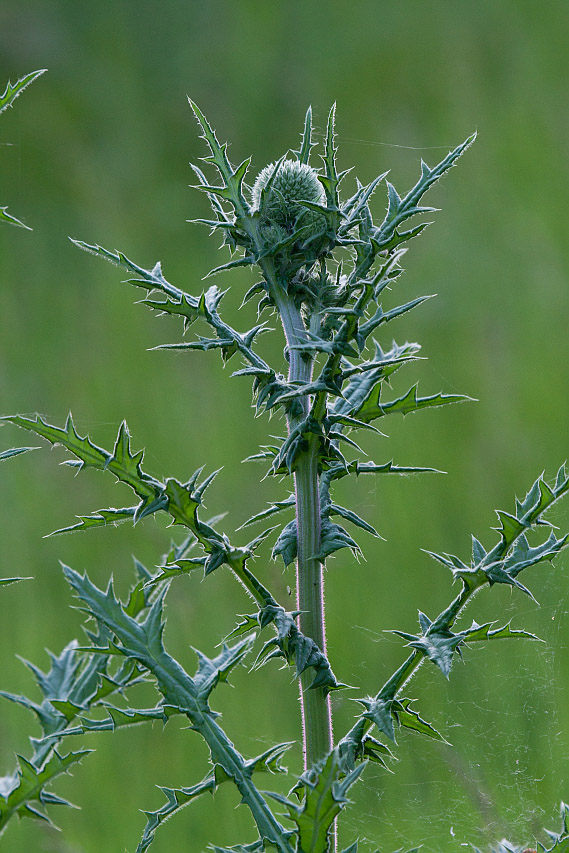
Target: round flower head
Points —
{"points": [[293, 182]]}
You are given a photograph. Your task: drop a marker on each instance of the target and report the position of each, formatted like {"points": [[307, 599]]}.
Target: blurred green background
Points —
{"points": [[98, 149]]}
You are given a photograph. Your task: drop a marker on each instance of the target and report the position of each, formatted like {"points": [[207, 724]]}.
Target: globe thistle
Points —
{"points": [[293, 183]]}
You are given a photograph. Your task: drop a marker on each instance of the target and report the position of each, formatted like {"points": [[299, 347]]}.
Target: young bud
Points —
{"points": [[293, 182]]}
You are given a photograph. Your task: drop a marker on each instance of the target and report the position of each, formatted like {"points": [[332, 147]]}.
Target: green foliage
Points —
{"points": [[326, 269], [7, 99], [322, 792]]}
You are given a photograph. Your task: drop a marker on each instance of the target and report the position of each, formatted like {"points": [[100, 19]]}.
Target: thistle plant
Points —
{"points": [[324, 267]]}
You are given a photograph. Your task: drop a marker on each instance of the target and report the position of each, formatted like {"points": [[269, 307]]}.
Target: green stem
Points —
{"points": [[316, 707], [315, 704]]}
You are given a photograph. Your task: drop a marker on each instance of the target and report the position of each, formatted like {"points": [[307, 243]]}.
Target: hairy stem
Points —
{"points": [[316, 708], [315, 704]]}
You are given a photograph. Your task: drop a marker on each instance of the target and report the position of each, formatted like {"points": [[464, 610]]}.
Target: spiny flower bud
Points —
{"points": [[293, 182]]}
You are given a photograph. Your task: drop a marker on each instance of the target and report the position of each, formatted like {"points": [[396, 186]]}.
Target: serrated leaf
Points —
{"points": [[15, 451], [118, 718], [477, 633], [529, 512], [148, 279], [523, 555], [100, 518], [277, 506], [399, 209], [333, 538], [306, 144], [381, 317], [411, 402], [12, 220], [380, 711], [142, 640], [286, 544], [172, 496], [124, 466], [439, 647], [292, 645], [373, 750], [410, 719], [354, 518], [176, 798], [232, 189], [212, 671], [22, 793], [8, 581], [325, 788], [13, 90]]}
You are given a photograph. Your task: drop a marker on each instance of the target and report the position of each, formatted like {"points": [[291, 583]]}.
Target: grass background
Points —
{"points": [[98, 149]]}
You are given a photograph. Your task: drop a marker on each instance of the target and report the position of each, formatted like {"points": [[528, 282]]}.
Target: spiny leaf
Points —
{"points": [[100, 518], [477, 633], [277, 506], [135, 639], [292, 645], [142, 640], [373, 750], [529, 512], [178, 499], [333, 538], [121, 463], [44, 712], [15, 451], [181, 303], [381, 317], [331, 179], [379, 710], [358, 468], [522, 555], [286, 544], [356, 208], [245, 261], [174, 570], [324, 788], [119, 718], [23, 792], [149, 279], [410, 719], [306, 144], [409, 402], [354, 518], [400, 209], [177, 798], [12, 220], [363, 389], [13, 90], [7, 581], [439, 647], [232, 189], [212, 671]]}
